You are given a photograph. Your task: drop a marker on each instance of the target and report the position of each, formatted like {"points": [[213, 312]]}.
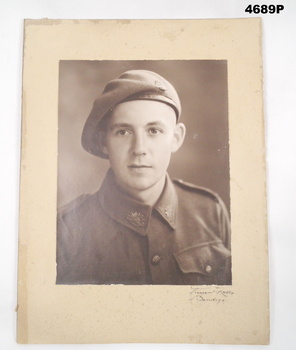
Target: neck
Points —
{"points": [[149, 196]]}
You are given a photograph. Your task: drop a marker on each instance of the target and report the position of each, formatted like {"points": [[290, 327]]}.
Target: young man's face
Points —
{"points": [[140, 137]]}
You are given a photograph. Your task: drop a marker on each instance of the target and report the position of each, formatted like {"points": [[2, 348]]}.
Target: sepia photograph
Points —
{"points": [[143, 173], [140, 163]]}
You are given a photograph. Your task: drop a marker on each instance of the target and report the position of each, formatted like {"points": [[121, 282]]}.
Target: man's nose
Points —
{"points": [[139, 145]]}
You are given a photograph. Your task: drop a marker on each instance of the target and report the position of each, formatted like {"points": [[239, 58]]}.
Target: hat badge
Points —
{"points": [[160, 86]]}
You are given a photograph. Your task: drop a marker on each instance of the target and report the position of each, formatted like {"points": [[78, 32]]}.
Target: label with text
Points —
{"points": [[264, 9]]}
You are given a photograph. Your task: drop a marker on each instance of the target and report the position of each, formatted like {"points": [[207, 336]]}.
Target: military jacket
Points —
{"points": [[109, 238]]}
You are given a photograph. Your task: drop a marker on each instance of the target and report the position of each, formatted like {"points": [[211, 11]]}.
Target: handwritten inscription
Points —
{"points": [[213, 296]]}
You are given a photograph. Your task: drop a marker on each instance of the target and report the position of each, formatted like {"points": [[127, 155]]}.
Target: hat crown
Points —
{"points": [[152, 80]]}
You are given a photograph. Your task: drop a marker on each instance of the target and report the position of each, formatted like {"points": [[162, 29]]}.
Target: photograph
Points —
{"points": [[143, 173], [143, 202]]}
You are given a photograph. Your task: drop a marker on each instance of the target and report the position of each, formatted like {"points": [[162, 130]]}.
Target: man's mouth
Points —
{"points": [[139, 166]]}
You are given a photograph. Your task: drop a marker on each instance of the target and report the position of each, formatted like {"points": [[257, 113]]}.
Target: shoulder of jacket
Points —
{"points": [[74, 204], [197, 189]]}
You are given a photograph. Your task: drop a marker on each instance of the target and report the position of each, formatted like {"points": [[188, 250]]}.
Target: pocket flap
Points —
{"points": [[203, 258]]}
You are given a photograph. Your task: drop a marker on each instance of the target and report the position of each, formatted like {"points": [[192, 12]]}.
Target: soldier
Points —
{"points": [[141, 227]]}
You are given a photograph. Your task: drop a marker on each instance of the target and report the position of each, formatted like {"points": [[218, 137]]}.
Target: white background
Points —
{"points": [[279, 51]]}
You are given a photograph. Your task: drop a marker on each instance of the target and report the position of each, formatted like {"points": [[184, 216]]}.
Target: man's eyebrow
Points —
{"points": [[126, 125], [155, 123], [120, 125]]}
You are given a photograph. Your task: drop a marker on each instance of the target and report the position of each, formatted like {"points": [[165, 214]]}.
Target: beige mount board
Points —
{"points": [[50, 313]]}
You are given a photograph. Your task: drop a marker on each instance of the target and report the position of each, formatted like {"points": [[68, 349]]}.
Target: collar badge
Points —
{"points": [[169, 214], [136, 219]]}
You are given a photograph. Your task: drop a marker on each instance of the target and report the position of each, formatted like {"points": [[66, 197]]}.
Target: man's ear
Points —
{"points": [[105, 151], [179, 135], [102, 144]]}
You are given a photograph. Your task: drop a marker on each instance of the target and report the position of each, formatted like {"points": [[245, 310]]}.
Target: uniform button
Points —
{"points": [[155, 259], [208, 269]]}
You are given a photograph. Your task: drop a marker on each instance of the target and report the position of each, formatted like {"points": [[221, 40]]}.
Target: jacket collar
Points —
{"points": [[132, 213], [167, 203]]}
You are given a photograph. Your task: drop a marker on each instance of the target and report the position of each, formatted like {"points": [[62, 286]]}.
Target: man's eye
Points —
{"points": [[122, 132], [154, 131]]}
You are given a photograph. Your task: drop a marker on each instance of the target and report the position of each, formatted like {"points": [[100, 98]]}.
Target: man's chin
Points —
{"points": [[138, 186]]}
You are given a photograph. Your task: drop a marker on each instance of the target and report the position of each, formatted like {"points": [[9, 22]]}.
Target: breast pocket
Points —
{"points": [[205, 264]]}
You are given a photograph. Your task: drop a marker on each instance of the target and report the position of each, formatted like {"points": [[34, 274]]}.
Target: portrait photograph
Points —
{"points": [[143, 202], [165, 219]]}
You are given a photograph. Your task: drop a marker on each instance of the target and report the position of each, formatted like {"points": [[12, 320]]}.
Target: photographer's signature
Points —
{"points": [[215, 296]]}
